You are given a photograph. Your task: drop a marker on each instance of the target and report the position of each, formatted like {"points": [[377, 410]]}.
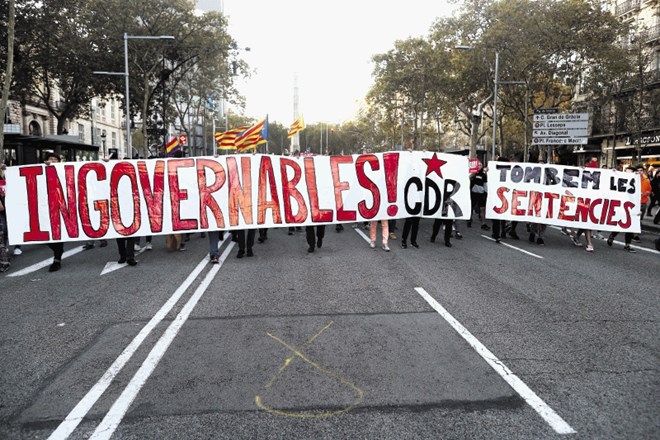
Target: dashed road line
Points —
{"points": [[513, 247], [42, 264], [548, 414]]}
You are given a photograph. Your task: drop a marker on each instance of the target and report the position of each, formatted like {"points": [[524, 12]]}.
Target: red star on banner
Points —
{"points": [[433, 165]]}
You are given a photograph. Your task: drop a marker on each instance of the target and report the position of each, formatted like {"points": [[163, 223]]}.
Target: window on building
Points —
{"points": [[81, 133], [114, 140], [113, 110], [102, 111]]}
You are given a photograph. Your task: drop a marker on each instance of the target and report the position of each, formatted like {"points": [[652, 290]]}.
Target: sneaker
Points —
{"points": [[392, 236], [17, 251], [627, 248], [183, 247], [448, 244], [310, 249], [355, 226], [414, 244], [404, 245], [386, 248], [372, 245], [240, 254], [458, 235], [137, 247], [599, 236], [250, 253], [636, 239], [589, 248], [55, 266], [610, 240], [565, 231], [214, 259], [121, 260], [132, 262], [88, 247], [148, 246], [485, 227], [576, 241], [540, 241]]}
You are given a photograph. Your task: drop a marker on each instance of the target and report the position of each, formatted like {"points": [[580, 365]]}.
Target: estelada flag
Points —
{"points": [[227, 139], [298, 125], [253, 136]]}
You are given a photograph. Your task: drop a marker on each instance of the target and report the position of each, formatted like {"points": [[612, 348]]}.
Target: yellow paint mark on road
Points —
{"points": [[297, 353]]}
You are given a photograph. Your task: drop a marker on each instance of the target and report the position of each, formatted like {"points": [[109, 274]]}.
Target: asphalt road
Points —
{"points": [[480, 341]]}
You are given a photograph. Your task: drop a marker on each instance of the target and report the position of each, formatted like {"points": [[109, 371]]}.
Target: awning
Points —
{"points": [[48, 141]]}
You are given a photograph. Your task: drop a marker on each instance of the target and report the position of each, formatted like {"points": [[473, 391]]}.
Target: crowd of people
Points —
{"points": [[127, 247]]}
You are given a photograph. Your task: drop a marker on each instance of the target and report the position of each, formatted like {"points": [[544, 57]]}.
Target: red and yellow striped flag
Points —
{"points": [[227, 139], [298, 125], [253, 136]]}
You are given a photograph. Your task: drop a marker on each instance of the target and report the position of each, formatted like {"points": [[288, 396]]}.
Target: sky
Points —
{"points": [[328, 45]]}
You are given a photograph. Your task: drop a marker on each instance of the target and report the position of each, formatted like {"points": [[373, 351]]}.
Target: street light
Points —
{"points": [[103, 136], [129, 148]]}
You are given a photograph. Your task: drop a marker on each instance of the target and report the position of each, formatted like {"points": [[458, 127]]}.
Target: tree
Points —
{"points": [[58, 47], [7, 74], [546, 44]]}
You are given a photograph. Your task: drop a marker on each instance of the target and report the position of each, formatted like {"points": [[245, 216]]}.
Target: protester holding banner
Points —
{"points": [[312, 238], [214, 240], [245, 241], [4, 253], [385, 234], [436, 229], [478, 195], [56, 247], [410, 226]]}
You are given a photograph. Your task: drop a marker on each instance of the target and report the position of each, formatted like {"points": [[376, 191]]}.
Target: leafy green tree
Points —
{"points": [[58, 46]]}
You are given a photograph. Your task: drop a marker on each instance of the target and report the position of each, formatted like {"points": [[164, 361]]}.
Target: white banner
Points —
{"points": [[93, 200], [585, 198]]}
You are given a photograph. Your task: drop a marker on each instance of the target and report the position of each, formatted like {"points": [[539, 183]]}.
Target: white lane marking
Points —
{"points": [[112, 266], [367, 239], [77, 414], [622, 243], [513, 247], [547, 413], [116, 413], [42, 264]]}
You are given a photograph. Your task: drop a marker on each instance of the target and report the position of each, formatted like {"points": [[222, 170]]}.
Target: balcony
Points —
{"points": [[626, 7], [652, 34]]}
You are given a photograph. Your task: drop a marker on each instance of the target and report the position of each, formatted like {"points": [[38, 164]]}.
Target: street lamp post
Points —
{"points": [[103, 136], [497, 74], [496, 83], [129, 148]]}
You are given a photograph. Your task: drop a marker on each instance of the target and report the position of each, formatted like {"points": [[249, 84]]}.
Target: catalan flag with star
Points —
{"points": [[227, 139], [298, 125], [253, 136]]}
